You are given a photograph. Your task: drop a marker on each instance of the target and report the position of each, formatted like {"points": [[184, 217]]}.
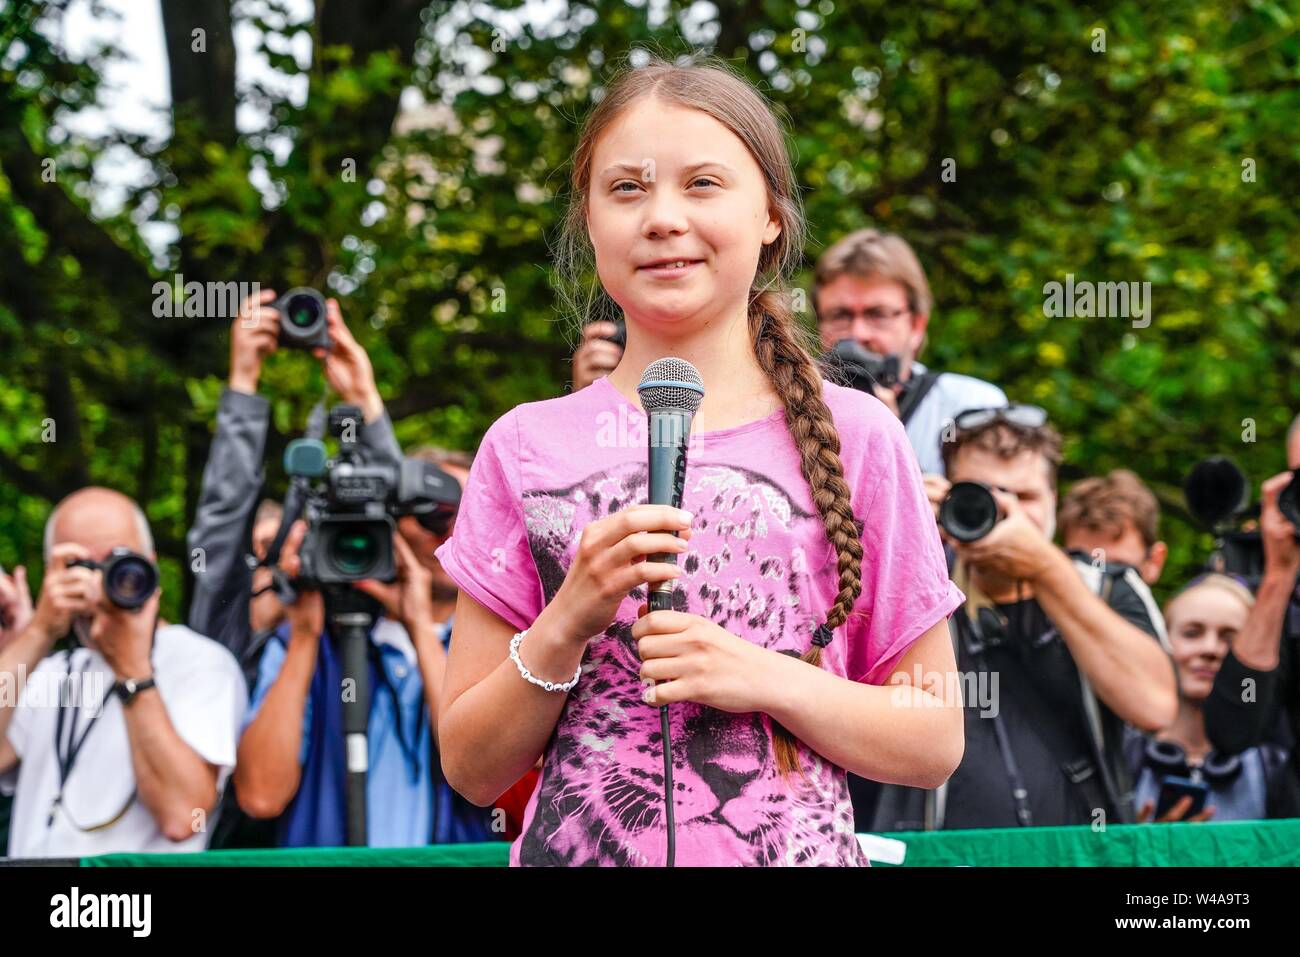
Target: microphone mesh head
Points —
{"points": [[671, 383]]}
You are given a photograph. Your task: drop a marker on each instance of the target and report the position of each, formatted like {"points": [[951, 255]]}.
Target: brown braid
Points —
{"points": [[798, 381]]}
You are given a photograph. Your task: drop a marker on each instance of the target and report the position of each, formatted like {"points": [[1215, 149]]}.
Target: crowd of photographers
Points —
{"points": [[1085, 703]]}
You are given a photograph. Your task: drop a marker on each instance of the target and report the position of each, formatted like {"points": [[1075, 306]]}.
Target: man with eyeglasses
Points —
{"points": [[123, 740], [1056, 655], [869, 288], [1257, 689]]}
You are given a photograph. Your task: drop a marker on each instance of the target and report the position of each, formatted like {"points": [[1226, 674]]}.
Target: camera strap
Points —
{"points": [[972, 638], [66, 756], [914, 390]]}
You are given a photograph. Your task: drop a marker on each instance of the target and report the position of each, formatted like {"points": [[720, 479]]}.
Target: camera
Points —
{"points": [[619, 336], [129, 577], [1288, 501], [862, 367], [302, 319], [969, 511], [351, 513], [1218, 496]]}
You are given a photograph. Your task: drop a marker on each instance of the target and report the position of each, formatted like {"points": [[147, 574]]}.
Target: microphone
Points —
{"points": [[671, 391]]}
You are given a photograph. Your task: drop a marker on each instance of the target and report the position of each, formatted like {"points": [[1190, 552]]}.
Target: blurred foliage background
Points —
{"points": [[1131, 142]]}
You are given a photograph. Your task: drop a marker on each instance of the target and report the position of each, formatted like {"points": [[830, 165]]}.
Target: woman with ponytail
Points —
{"points": [[808, 634]]}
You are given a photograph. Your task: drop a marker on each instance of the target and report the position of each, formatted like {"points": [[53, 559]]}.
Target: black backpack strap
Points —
{"points": [[918, 386]]}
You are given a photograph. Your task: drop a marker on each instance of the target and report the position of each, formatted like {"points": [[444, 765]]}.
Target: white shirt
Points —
{"points": [[950, 394], [205, 696]]}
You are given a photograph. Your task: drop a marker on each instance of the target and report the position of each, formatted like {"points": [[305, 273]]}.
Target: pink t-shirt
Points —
{"points": [[760, 565]]}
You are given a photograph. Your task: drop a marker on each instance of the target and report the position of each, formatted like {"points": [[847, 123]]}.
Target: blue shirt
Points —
{"points": [[404, 786]]}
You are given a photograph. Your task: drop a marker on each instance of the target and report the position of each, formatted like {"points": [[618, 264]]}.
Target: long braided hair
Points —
{"points": [[782, 346]]}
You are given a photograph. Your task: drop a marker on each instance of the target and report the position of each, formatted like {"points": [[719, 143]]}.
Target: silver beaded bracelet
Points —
{"points": [[528, 676]]}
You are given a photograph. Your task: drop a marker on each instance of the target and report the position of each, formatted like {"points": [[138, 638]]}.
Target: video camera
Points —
{"points": [[351, 510], [1218, 496]]}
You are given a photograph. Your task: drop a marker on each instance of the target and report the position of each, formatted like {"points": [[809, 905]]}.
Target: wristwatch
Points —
{"points": [[128, 688]]}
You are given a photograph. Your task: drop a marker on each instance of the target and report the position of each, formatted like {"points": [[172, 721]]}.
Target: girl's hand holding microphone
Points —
{"points": [[695, 659], [611, 561]]}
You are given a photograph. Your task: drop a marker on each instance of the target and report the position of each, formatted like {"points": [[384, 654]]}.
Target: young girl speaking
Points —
{"points": [[809, 570]]}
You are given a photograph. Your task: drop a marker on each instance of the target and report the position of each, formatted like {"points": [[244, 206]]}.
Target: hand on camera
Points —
{"points": [[1016, 548], [253, 336], [66, 593], [125, 636], [936, 490], [596, 356], [410, 598], [887, 396], [1281, 550], [347, 366], [306, 616]]}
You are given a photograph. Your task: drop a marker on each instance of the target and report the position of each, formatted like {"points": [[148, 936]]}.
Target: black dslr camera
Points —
{"points": [[129, 578], [1218, 496], [969, 511], [351, 513], [862, 367], [302, 319]]}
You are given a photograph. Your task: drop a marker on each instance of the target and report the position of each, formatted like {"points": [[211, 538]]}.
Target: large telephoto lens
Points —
{"points": [[969, 511]]}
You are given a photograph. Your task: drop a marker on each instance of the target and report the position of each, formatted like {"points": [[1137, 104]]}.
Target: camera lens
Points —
{"points": [[303, 311], [969, 512], [129, 581], [354, 551]]}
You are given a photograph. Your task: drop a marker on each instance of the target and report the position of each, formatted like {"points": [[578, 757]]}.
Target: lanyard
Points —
{"points": [[67, 757]]}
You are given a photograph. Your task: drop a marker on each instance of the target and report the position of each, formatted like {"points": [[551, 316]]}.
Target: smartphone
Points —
{"points": [[1173, 789]]}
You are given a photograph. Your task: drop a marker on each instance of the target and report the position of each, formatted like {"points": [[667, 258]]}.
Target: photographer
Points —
{"points": [[1114, 517], [123, 742], [1052, 671], [222, 529], [1259, 680], [870, 288], [1178, 775], [291, 755]]}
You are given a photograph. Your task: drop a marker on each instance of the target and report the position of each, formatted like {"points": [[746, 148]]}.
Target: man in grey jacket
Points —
{"points": [[222, 534]]}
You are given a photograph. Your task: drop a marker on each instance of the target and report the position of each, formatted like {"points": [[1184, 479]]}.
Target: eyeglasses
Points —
{"points": [[875, 316], [1022, 416]]}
